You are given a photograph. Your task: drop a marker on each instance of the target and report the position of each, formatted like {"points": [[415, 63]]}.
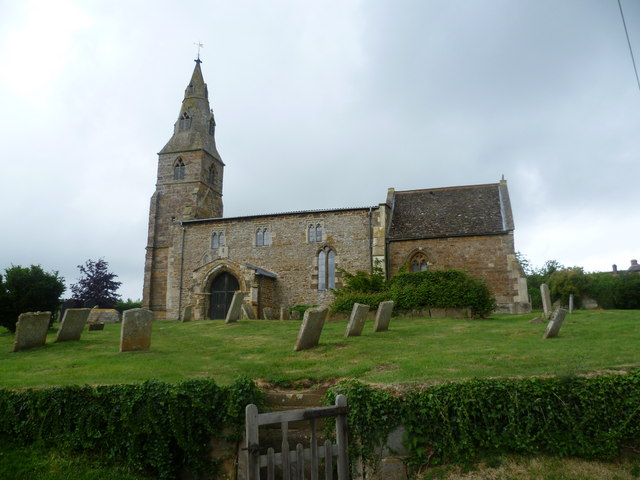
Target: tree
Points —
{"points": [[96, 285], [28, 290]]}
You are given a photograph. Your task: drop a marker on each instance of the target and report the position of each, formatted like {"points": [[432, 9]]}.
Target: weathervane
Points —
{"points": [[200, 45]]}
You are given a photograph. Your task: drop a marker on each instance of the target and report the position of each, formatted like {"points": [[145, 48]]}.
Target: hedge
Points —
{"points": [[153, 426], [592, 418]]}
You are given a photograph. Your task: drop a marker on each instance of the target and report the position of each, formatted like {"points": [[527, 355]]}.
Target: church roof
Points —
{"points": [[450, 212]]}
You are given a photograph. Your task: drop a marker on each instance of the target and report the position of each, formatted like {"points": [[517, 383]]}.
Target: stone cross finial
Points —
{"points": [[199, 45]]}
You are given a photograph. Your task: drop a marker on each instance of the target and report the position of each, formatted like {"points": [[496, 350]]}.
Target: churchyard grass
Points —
{"points": [[413, 350]]}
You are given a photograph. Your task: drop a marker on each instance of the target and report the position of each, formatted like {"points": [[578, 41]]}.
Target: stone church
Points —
{"points": [[197, 258]]}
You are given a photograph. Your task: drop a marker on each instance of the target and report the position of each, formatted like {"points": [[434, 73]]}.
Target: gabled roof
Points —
{"points": [[451, 212]]}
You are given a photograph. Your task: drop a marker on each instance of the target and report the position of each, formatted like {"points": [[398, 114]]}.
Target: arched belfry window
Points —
{"points": [[326, 269], [419, 263], [314, 233], [217, 239], [211, 177], [178, 170], [185, 121]]}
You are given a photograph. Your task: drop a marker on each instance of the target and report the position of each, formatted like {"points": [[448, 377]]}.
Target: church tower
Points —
{"points": [[189, 186]]}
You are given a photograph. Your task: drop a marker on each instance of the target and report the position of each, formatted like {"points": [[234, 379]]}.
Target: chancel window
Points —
{"points": [[326, 269], [419, 263], [263, 237], [178, 170], [315, 233]]}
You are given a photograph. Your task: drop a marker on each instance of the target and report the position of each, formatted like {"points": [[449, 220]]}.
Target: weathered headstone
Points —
{"points": [[248, 311], [233, 314], [103, 315], [284, 313], [72, 324], [357, 319], [96, 326], [31, 330], [546, 300], [571, 303], [553, 327], [268, 313], [311, 328], [295, 315], [383, 316], [187, 313], [135, 333]]}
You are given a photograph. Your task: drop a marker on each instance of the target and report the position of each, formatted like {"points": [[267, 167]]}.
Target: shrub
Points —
{"points": [[615, 291], [441, 289]]}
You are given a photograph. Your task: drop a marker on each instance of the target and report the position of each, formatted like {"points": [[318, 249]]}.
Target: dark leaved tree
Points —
{"points": [[28, 290], [96, 285]]}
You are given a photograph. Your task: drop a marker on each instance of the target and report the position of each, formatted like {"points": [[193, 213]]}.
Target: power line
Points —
{"points": [[633, 60]]}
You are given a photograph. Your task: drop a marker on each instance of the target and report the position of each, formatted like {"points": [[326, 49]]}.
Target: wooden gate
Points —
{"points": [[292, 463]]}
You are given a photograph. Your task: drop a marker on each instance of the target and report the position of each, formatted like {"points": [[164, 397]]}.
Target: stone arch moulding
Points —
{"points": [[205, 275]]}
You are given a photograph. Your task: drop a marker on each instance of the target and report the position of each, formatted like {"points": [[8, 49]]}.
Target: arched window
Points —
{"points": [[185, 121], [263, 237], [267, 238], [312, 233], [326, 269], [215, 240], [318, 233], [259, 238], [211, 177], [178, 170], [212, 126], [419, 262], [315, 233]]}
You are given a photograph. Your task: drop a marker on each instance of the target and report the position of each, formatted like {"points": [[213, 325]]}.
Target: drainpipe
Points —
{"points": [[181, 270], [259, 296], [370, 241]]}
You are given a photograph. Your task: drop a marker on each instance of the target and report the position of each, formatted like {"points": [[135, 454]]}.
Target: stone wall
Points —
{"points": [[489, 257], [290, 255]]}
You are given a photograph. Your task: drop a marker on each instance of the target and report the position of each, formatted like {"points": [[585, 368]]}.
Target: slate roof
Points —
{"points": [[451, 212]]}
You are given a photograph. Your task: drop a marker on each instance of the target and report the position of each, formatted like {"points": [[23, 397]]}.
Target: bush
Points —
{"points": [[28, 290], [343, 303], [442, 289], [615, 291], [155, 426]]}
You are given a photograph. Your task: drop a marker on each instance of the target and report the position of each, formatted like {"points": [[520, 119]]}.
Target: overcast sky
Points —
{"points": [[319, 105]]}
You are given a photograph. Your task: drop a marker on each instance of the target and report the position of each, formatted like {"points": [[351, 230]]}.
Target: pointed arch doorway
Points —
{"points": [[222, 289]]}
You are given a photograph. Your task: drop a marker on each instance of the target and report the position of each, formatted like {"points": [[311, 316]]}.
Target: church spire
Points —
{"points": [[195, 127]]}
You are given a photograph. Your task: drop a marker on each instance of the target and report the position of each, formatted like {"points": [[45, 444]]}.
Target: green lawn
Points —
{"points": [[414, 350]]}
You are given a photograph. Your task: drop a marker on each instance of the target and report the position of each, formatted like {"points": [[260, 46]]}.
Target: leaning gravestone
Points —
{"points": [[235, 309], [268, 313], [357, 319], [135, 333], [553, 327], [248, 311], [72, 324], [383, 316], [31, 330], [546, 300], [311, 328]]}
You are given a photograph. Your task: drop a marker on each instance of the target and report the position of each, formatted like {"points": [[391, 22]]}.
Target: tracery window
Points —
{"points": [[185, 121], [326, 269], [419, 262], [263, 237], [178, 170]]}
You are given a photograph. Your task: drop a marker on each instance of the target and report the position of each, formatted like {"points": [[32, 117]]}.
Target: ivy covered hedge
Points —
{"points": [[154, 426], [592, 418]]}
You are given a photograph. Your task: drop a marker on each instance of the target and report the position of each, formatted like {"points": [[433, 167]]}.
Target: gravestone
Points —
{"points": [[546, 300], [248, 311], [135, 333], [187, 313], [96, 326], [268, 313], [103, 315], [311, 328], [233, 314], [571, 303], [553, 327], [383, 316], [295, 315], [72, 324], [31, 330], [356, 320], [284, 313]]}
